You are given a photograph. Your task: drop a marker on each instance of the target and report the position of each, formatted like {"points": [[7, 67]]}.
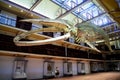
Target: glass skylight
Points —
{"points": [[87, 11], [72, 3], [102, 20], [68, 4], [25, 3]]}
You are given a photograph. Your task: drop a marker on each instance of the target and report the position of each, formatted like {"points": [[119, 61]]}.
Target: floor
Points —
{"points": [[95, 76]]}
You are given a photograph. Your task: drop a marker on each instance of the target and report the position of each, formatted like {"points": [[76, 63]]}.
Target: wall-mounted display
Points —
{"points": [[19, 69]]}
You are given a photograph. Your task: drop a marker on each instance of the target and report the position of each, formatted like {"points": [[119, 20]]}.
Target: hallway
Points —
{"points": [[96, 76]]}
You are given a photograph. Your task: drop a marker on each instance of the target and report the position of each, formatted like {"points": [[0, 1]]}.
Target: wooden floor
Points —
{"points": [[95, 76]]}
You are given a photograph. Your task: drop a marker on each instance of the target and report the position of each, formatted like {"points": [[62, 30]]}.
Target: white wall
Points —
{"points": [[34, 68], [6, 67]]}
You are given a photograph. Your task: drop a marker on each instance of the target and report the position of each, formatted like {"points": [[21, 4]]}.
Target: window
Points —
{"points": [[8, 20]]}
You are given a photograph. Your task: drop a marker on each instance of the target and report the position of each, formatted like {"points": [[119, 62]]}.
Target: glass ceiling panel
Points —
{"points": [[25, 3], [90, 12], [102, 20], [72, 3], [86, 12], [68, 4], [87, 5]]}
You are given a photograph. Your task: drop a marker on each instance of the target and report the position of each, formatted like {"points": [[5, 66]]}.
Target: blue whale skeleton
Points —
{"points": [[82, 32]]}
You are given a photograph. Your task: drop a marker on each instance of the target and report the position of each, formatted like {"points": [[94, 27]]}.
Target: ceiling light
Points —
{"points": [[10, 6], [21, 11], [31, 14]]}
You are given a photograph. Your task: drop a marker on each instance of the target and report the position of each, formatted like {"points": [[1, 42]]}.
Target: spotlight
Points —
{"points": [[10, 6]]}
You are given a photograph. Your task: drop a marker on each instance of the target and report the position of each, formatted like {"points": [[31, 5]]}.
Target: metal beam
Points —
{"points": [[33, 6], [71, 10]]}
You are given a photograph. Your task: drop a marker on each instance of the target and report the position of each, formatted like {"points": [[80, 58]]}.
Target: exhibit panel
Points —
{"points": [[81, 68], [101, 66], [94, 67], [97, 67], [48, 69], [113, 66], [67, 69], [19, 69]]}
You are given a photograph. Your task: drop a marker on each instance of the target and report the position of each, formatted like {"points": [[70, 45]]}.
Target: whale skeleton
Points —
{"points": [[86, 33]]}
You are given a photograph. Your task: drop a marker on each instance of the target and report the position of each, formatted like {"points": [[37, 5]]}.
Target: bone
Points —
{"points": [[92, 46], [39, 42]]}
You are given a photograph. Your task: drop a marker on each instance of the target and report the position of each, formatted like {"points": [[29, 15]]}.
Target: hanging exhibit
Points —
{"points": [[86, 32]]}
